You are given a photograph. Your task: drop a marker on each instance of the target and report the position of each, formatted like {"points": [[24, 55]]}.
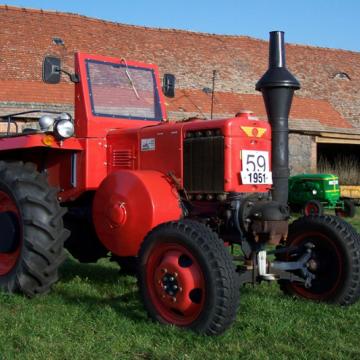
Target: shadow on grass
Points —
{"points": [[96, 273], [127, 304]]}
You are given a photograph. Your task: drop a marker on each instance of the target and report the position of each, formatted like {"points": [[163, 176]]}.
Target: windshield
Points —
{"points": [[118, 90]]}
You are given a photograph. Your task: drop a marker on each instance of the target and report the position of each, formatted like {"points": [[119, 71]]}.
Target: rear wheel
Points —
{"points": [[313, 207], [32, 242], [335, 260], [349, 209], [187, 277]]}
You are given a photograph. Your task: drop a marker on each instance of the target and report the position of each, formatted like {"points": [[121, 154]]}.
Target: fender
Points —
{"points": [[128, 204]]}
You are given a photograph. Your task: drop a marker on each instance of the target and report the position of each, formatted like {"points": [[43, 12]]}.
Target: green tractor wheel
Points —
{"points": [[313, 207], [349, 209]]}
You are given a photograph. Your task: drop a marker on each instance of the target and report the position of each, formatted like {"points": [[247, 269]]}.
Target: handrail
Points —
{"points": [[9, 118]]}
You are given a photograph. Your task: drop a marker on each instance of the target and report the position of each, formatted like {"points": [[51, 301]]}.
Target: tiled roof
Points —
{"points": [[27, 35], [198, 102]]}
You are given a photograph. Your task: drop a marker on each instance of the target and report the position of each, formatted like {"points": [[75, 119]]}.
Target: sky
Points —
{"points": [[325, 23]]}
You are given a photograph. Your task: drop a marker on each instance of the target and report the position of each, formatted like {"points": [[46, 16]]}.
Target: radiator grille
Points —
{"points": [[122, 159], [204, 164]]}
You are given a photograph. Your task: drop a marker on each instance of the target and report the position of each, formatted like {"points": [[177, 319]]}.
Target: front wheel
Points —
{"points": [[187, 277], [334, 262]]}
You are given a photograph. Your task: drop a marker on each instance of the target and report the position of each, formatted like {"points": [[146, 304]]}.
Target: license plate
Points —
{"points": [[255, 167]]}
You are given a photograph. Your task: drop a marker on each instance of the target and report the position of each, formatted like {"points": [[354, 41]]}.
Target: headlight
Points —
{"points": [[314, 192], [64, 129], [64, 116], [46, 122]]}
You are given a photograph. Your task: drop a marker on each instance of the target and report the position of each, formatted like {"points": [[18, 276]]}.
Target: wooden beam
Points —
{"points": [[323, 140], [340, 136]]}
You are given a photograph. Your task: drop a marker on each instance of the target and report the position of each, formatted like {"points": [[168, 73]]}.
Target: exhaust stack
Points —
{"points": [[277, 86]]}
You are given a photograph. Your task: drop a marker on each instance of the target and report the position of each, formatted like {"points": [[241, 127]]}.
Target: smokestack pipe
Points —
{"points": [[277, 86]]}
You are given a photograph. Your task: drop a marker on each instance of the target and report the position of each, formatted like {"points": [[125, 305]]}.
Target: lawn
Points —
{"points": [[93, 313]]}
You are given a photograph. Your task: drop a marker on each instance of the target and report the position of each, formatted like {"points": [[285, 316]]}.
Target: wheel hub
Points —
{"points": [[178, 286], [9, 232], [312, 265], [170, 284], [10, 239]]}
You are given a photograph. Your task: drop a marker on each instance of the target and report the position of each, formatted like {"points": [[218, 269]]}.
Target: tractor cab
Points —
{"points": [[112, 93]]}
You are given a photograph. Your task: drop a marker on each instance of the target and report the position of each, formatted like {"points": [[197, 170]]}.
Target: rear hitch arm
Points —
{"points": [[289, 266], [279, 270]]}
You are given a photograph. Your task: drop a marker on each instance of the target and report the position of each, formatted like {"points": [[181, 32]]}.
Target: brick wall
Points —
{"points": [[26, 36]]}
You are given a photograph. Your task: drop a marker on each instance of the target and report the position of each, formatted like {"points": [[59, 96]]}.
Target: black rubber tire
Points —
{"points": [[313, 207], [348, 211], [43, 234], [222, 283], [346, 242]]}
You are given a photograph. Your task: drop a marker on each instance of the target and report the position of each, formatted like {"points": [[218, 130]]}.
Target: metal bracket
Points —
{"points": [[262, 270], [300, 264]]}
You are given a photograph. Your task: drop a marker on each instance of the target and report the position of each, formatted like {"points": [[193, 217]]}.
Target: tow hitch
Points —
{"points": [[300, 270]]}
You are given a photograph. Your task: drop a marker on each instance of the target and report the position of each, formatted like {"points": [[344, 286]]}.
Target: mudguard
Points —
{"points": [[128, 204]]}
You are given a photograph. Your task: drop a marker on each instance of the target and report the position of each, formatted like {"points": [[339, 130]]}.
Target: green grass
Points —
{"points": [[93, 313]]}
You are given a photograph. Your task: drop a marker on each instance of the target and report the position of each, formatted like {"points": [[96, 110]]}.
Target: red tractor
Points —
{"points": [[168, 199]]}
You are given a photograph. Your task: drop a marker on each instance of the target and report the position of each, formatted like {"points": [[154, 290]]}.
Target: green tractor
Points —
{"points": [[312, 193]]}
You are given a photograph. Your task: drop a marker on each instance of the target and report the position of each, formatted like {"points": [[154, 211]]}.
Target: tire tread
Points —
{"points": [[41, 216]]}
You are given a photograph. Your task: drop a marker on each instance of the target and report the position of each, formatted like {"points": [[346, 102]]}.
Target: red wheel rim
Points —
{"points": [[175, 283], [8, 260], [311, 209], [331, 266]]}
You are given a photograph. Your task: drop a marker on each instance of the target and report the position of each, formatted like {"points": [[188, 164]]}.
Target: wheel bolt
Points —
{"points": [[312, 265], [164, 270], [174, 299], [171, 278], [180, 289], [165, 287], [176, 274], [175, 287]]}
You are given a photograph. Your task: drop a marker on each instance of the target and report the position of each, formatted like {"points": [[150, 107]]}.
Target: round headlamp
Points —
{"points": [[64, 129], [46, 122], [314, 192]]}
